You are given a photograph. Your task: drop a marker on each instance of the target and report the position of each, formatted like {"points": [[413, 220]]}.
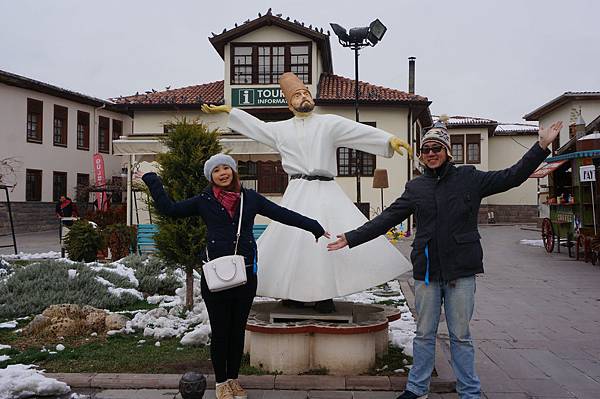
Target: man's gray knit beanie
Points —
{"points": [[216, 160]]}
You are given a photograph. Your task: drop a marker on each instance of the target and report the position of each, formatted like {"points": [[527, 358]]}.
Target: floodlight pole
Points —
{"points": [[357, 154]]}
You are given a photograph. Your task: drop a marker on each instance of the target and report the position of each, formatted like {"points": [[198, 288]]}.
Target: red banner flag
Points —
{"points": [[100, 179]]}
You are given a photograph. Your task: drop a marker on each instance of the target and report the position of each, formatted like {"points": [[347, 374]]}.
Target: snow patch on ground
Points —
{"points": [[120, 291], [120, 269], [402, 333], [9, 324], [24, 381], [41, 255], [200, 336], [532, 243]]}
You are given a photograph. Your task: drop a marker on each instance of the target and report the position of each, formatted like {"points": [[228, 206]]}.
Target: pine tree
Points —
{"points": [[181, 241]]}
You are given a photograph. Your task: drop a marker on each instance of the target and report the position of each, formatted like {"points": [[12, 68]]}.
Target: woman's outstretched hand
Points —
{"points": [[138, 175], [337, 244], [325, 234]]}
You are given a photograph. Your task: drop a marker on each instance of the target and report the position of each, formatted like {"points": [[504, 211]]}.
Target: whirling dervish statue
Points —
{"points": [[291, 266]]}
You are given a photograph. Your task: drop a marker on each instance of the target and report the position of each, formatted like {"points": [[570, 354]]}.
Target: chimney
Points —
{"points": [[411, 75]]}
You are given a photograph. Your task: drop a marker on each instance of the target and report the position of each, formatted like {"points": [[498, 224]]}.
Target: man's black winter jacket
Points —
{"points": [[446, 203]]}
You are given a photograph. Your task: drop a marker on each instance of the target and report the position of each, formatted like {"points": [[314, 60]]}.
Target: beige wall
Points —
{"points": [[484, 145], [589, 111], [271, 34], [46, 156], [152, 122], [505, 152]]}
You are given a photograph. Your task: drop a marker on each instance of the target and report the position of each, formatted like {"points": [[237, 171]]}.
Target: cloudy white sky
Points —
{"points": [[493, 59]]}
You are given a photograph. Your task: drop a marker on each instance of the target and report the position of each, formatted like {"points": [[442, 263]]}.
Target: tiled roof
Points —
{"points": [[516, 129], [320, 37], [458, 120], [12, 79], [561, 100], [333, 88], [208, 93]]}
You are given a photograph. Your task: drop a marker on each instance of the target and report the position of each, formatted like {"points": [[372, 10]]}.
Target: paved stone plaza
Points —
{"points": [[536, 327]]}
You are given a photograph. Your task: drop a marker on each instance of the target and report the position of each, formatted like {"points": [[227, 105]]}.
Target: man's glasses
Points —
{"points": [[434, 148]]}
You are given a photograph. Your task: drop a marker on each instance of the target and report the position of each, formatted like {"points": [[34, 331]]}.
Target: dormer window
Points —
{"points": [[263, 63]]}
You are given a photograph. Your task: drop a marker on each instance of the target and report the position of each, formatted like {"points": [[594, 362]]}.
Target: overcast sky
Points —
{"points": [[493, 59]]}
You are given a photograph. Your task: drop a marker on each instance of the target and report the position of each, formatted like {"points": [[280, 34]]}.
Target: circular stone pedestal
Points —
{"points": [[293, 341]]}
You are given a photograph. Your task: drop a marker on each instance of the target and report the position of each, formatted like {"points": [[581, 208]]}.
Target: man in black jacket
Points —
{"points": [[446, 253]]}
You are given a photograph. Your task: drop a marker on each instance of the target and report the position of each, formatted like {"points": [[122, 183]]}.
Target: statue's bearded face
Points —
{"points": [[302, 101]]}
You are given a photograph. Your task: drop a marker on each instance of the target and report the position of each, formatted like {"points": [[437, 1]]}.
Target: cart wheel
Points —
{"points": [[580, 247], [547, 234]]}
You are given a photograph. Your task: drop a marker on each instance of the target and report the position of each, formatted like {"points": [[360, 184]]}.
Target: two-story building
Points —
{"points": [[49, 135], [491, 145]]}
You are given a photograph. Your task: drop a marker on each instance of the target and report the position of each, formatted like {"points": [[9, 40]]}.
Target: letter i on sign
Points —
{"points": [[245, 93]]}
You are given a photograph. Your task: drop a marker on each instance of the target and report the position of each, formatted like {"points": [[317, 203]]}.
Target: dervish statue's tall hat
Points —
{"points": [[290, 84]]}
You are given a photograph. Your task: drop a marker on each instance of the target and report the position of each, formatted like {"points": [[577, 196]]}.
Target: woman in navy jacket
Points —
{"points": [[218, 205]]}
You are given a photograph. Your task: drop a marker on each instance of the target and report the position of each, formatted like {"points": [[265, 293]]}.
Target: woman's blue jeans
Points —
{"points": [[458, 298]]}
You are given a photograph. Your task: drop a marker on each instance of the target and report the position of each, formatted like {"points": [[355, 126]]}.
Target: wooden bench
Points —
{"points": [[258, 229], [145, 238]]}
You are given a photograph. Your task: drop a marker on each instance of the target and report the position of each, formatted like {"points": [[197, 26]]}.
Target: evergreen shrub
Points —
{"points": [[31, 289], [83, 241]]}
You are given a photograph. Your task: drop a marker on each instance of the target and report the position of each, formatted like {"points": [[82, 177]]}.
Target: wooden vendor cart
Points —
{"points": [[573, 198]]}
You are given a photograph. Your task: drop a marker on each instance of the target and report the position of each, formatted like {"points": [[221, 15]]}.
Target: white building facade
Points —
{"points": [[50, 135]]}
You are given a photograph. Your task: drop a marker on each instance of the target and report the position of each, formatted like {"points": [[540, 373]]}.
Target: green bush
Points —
{"points": [[148, 272], [119, 237], [33, 288], [116, 279], [83, 241]]}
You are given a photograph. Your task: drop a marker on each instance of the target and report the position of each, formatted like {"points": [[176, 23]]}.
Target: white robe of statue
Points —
{"points": [[290, 264]]}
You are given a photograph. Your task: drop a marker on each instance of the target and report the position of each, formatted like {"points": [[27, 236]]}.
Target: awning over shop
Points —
{"points": [[137, 147], [546, 169], [236, 146], [572, 155]]}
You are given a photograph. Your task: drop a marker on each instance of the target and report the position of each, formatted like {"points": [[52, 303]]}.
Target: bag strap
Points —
{"points": [[239, 222], [237, 239]]}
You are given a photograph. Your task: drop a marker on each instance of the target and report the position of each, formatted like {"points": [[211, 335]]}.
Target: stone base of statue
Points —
{"points": [[293, 341]]}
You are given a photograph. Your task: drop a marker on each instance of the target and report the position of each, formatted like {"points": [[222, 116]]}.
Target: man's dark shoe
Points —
{"points": [[290, 303], [410, 395], [325, 306]]}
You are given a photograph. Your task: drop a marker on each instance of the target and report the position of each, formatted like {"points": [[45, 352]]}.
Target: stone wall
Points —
{"points": [[509, 213], [28, 217]]}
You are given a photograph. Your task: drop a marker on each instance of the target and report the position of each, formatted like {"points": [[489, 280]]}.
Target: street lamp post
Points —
{"points": [[356, 39]]}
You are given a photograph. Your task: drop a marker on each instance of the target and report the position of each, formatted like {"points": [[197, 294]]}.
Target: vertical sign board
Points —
{"points": [[588, 174], [100, 179]]}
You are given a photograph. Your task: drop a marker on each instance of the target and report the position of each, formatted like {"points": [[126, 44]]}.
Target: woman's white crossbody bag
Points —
{"points": [[227, 271]]}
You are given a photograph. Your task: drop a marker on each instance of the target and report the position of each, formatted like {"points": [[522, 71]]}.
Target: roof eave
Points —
{"points": [[164, 106], [219, 41], [557, 102], [22, 82], [403, 103]]}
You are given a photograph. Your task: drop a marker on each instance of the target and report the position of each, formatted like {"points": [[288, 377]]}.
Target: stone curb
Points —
{"points": [[266, 382]]}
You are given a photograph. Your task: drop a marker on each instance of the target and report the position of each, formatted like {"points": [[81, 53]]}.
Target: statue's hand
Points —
{"points": [[215, 109], [398, 144]]}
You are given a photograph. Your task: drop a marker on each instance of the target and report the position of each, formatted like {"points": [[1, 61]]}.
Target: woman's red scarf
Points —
{"points": [[229, 199]]}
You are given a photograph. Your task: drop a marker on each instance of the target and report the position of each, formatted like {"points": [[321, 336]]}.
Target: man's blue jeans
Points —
{"points": [[458, 298]]}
